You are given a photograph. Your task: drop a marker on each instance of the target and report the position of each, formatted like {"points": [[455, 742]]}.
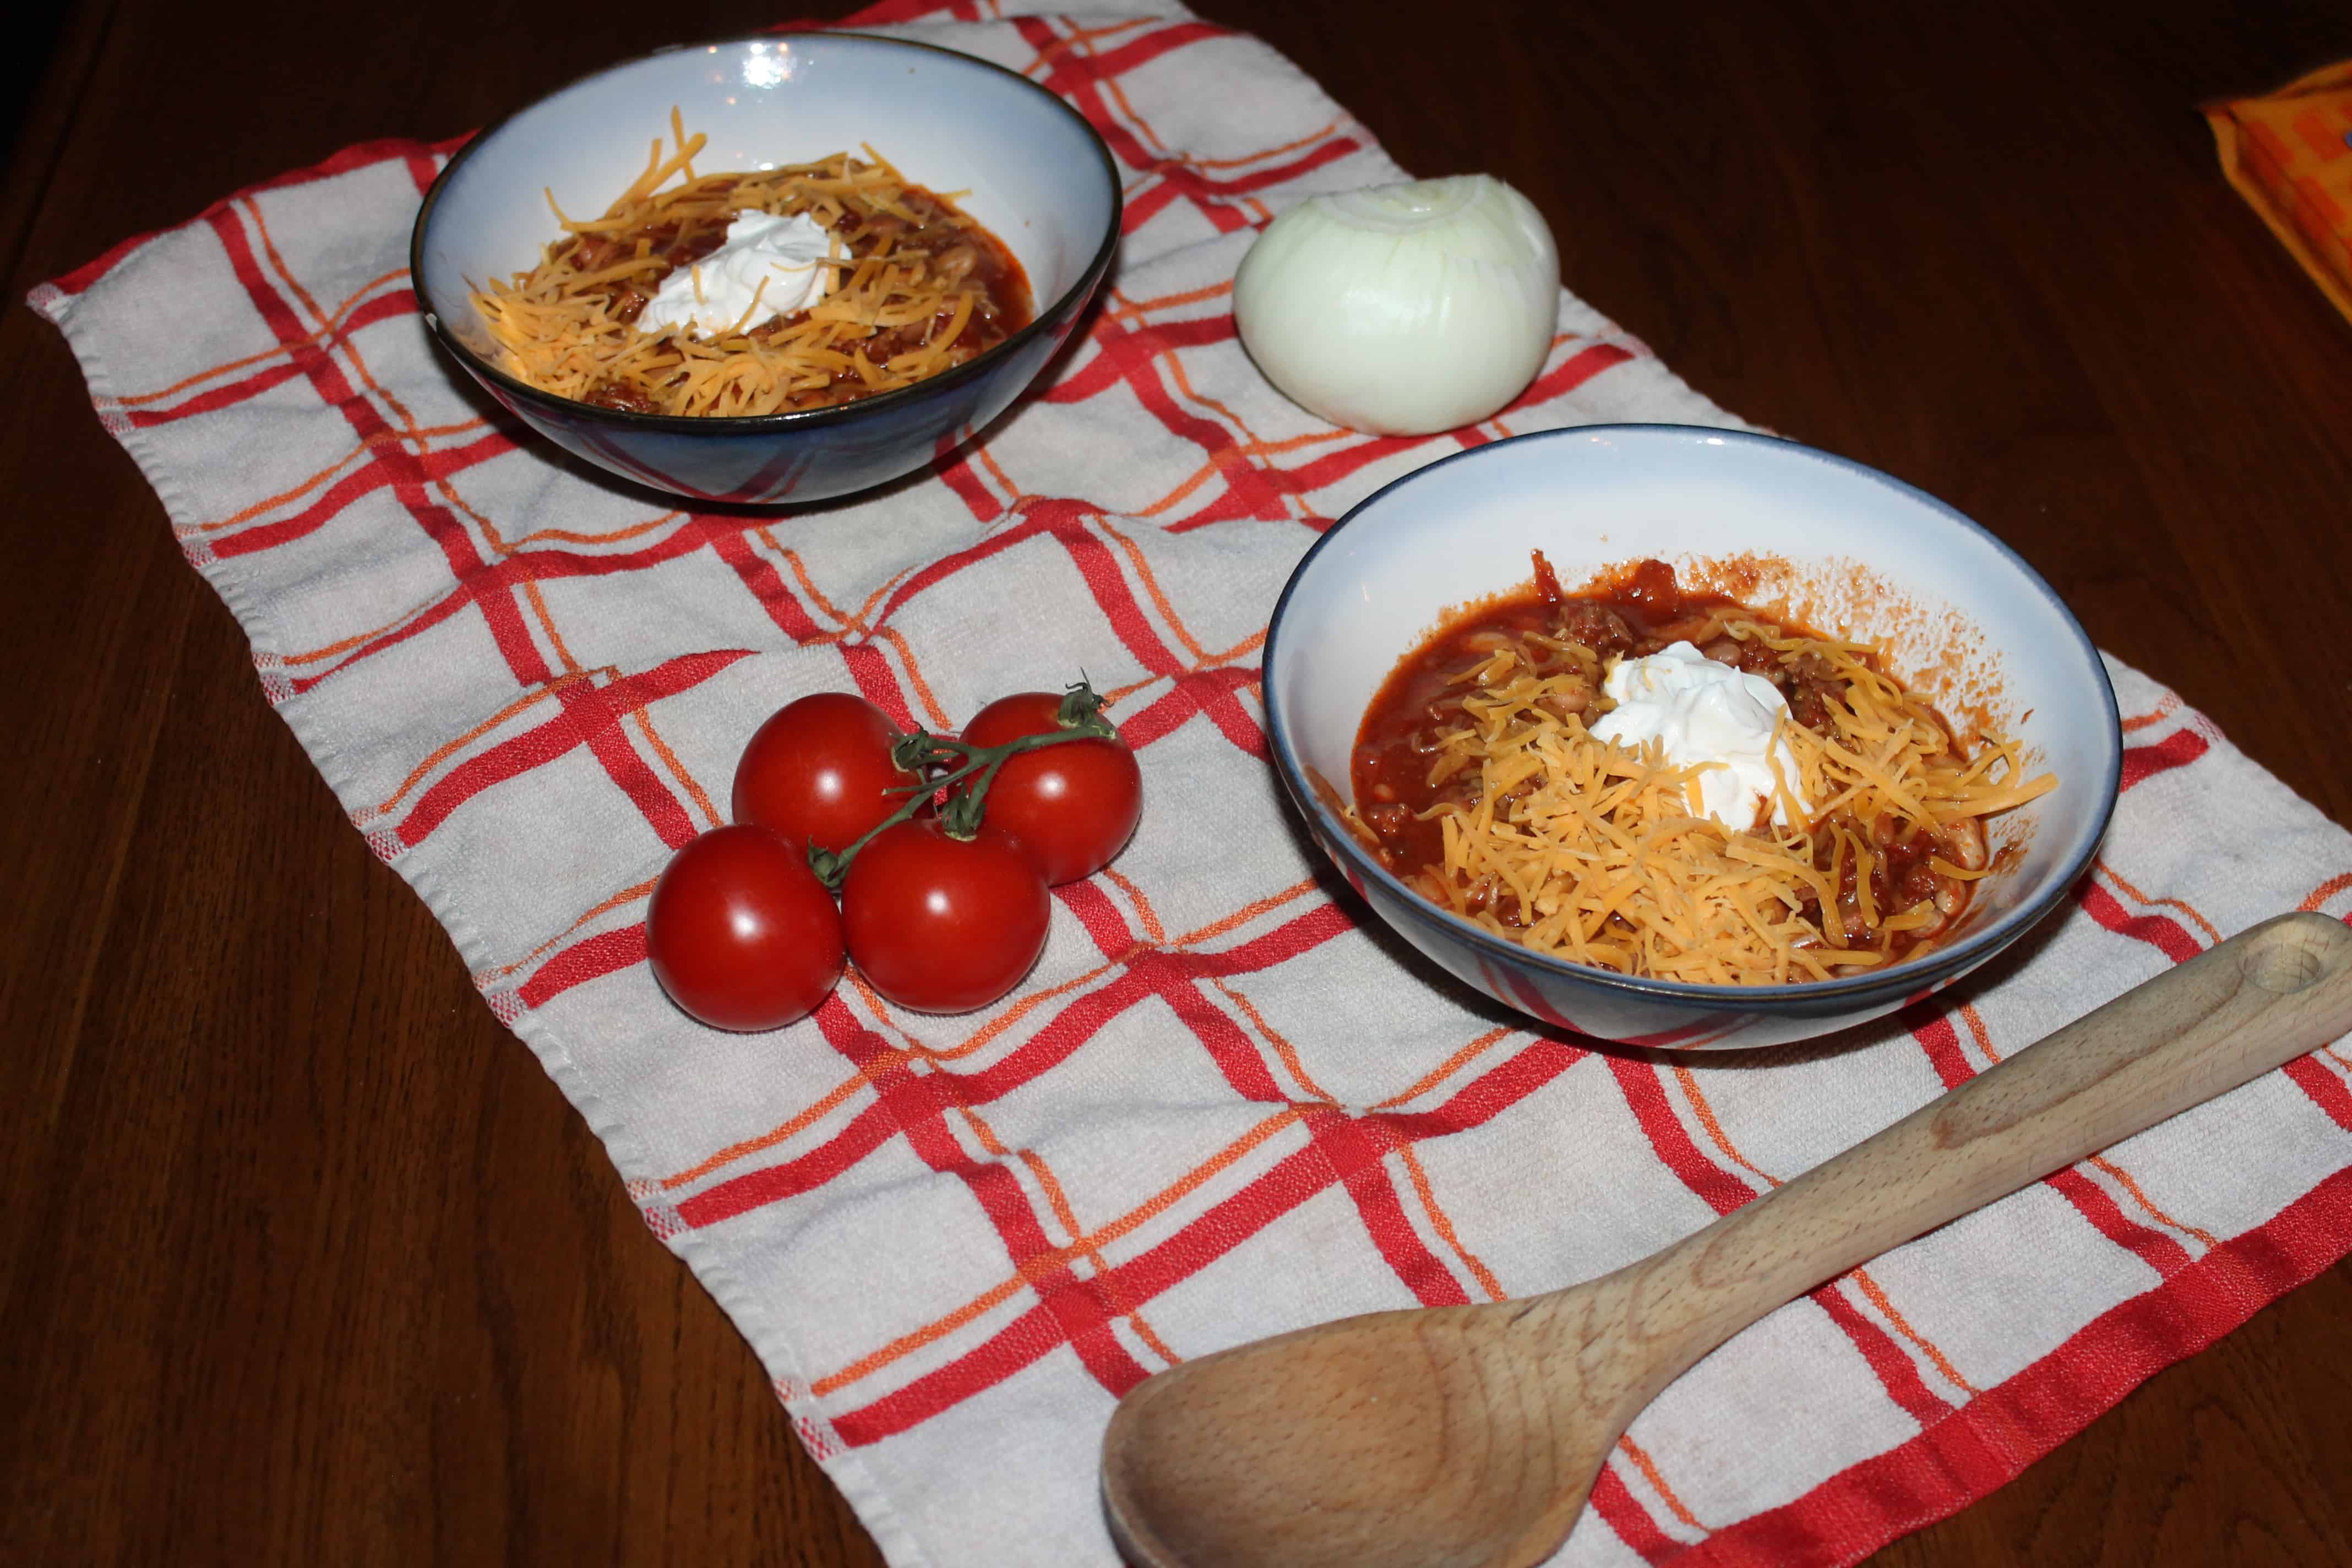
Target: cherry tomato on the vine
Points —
{"points": [[820, 771], [741, 932], [941, 924], [1070, 806]]}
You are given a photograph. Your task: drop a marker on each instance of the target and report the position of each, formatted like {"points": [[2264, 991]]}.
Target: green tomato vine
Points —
{"points": [[944, 763]]}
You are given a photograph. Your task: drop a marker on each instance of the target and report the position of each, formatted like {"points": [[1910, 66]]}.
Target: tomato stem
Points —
{"points": [[971, 770]]}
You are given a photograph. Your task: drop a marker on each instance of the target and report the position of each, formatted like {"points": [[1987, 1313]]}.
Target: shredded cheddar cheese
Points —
{"points": [[1592, 852], [567, 326]]}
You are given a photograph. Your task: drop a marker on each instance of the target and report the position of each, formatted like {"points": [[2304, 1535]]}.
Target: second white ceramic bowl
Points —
{"points": [[1841, 547]]}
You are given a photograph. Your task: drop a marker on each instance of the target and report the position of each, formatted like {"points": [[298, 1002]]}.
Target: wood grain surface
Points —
{"points": [[304, 1259]]}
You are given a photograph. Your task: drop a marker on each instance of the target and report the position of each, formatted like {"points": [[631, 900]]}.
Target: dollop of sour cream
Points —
{"points": [[1708, 715], [774, 259]]}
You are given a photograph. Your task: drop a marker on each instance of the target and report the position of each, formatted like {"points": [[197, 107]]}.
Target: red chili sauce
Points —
{"points": [[957, 248], [1631, 615]]}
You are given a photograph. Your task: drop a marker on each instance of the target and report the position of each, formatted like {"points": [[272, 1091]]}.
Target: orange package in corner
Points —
{"points": [[2290, 155]]}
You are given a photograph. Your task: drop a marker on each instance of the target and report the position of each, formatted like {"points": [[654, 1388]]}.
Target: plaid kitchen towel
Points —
{"points": [[1224, 1106]]}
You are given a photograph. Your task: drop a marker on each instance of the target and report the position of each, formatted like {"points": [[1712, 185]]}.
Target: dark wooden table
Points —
{"points": [[303, 1259]]}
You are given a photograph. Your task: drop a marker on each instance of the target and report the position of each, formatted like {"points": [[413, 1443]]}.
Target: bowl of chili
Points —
{"points": [[1472, 617], [1016, 190]]}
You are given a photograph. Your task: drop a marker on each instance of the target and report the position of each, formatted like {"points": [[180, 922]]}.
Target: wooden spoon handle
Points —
{"points": [[2255, 1002]]}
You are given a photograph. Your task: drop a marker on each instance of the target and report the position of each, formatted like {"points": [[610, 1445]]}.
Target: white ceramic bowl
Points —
{"points": [[1840, 546], [1028, 166]]}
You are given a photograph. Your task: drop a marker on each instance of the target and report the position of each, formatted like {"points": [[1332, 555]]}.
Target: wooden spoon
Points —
{"points": [[1472, 1435]]}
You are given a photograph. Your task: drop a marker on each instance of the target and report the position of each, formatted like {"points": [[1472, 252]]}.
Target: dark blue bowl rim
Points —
{"points": [[1047, 320], [1804, 996]]}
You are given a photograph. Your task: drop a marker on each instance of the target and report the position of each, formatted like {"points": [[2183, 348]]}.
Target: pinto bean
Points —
{"points": [[1571, 697], [957, 264]]}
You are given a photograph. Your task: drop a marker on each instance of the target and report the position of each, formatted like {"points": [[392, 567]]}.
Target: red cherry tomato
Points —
{"points": [[741, 932], [941, 924], [1072, 806], [819, 771]]}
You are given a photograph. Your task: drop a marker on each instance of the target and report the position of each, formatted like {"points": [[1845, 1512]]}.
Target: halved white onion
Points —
{"points": [[1403, 309]]}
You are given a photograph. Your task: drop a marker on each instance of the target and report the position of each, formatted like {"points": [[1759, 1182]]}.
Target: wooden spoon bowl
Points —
{"points": [[1461, 1435], [1441, 1438]]}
